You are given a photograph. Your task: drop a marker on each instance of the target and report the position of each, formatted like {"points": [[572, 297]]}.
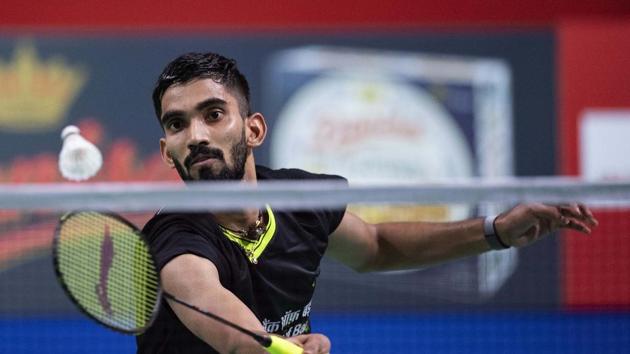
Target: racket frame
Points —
{"points": [[61, 280]]}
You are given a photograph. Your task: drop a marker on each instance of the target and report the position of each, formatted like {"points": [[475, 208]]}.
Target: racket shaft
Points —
{"points": [[273, 344]]}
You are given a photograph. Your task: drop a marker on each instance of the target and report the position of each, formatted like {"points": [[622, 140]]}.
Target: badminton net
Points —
{"points": [[567, 293]]}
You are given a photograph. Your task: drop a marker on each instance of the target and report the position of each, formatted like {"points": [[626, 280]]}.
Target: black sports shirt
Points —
{"points": [[274, 276]]}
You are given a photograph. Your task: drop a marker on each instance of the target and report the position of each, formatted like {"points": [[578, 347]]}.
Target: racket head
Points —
{"points": [[104, 265]]}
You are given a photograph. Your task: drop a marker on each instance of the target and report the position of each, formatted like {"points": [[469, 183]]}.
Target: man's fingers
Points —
{"points": [[566, 215], [586, 211], [551, 214], [571, 210], [590, 218], [579, 213], [578, 226], [313, 343], [572, 216]]}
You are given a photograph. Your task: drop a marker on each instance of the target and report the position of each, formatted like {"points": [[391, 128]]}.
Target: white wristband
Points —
{"points": [[491, 234]]}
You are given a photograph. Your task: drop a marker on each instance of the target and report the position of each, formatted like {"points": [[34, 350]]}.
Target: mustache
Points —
{"points": [[202, 152]]}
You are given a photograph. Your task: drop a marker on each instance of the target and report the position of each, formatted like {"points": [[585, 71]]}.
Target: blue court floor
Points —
{"points": [[506, 332]]}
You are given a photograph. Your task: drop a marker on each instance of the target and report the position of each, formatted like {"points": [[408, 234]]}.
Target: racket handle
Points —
{"points": [[282, 346]]}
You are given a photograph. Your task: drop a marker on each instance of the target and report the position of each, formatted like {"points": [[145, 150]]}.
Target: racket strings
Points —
{"points": [[108, 269]]}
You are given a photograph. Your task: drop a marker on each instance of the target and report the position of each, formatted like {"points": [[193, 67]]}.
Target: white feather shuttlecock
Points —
{"points": [[79, 159]]}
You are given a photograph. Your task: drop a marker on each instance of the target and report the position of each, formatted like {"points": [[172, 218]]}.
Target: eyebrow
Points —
{"points": [[205, 104], [209, 103]]}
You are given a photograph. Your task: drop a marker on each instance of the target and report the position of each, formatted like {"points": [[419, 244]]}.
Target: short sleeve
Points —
{"points": [[332, 218], [327, 219], [169, 237]]}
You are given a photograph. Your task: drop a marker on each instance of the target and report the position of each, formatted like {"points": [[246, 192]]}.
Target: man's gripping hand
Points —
{"points": [[313, 343]]}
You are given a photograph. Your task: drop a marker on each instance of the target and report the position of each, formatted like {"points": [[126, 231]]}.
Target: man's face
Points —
{"points": [[204, 133]]}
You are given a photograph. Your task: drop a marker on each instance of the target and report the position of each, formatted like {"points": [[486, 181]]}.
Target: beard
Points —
{"points": [[238, 151]]}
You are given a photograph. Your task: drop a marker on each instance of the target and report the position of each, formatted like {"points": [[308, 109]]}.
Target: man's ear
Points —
{"points": [[255, 129], [166, 155]]}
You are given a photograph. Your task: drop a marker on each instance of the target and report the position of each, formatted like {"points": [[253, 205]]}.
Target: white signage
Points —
{"points": [[605, 144]]}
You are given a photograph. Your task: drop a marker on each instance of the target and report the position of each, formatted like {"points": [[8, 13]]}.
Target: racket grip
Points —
{"points": [[282, 346]]}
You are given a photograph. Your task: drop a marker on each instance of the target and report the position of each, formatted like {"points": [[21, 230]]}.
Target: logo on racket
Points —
{"points": [[107, 257]]}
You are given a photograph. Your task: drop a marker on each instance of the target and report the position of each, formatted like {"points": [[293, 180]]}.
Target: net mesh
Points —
{"points": [[566, 293]]}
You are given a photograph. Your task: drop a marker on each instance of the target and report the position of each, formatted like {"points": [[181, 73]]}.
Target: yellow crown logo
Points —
{"points": [[35, 94]]}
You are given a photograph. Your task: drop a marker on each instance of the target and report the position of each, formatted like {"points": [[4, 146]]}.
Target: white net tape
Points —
{"points": [[302, 194]]}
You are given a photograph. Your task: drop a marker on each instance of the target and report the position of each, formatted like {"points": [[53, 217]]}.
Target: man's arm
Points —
{"points": [[195, 280], [388, 246]]}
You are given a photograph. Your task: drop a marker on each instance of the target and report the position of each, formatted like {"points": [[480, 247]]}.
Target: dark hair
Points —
{"points": [[193, 66]]}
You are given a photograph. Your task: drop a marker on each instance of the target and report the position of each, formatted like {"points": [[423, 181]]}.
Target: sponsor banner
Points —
{"points": [[390, 117]]}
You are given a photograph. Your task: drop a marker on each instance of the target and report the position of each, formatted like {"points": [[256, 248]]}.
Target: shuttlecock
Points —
{"points": [[79, 159]]}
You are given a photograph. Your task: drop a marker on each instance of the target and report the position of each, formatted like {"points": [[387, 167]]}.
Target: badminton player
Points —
{"points": [[259, 268]]}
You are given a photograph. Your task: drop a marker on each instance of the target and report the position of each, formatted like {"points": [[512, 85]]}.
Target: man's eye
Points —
{"points": [[214, 115], [174, 125]]}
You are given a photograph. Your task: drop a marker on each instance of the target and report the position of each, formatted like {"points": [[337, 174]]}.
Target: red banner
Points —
{"points": [[138, 15], [594, 67]]}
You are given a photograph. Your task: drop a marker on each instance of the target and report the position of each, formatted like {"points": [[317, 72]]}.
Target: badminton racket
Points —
{"points": [[104, 265]]}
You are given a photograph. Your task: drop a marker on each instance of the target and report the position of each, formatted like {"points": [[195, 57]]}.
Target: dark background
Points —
{"points": [[564, 56]]}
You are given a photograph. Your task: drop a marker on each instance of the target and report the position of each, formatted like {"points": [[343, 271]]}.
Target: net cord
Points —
{"points": [[289, 195]]}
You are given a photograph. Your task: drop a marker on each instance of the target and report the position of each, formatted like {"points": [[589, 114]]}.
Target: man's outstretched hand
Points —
{"points": [[527, 223]]}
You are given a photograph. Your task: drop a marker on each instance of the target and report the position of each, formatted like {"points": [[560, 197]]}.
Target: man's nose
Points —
{"points": [[198, 132]]}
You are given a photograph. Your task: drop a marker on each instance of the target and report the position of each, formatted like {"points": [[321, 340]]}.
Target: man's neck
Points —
{"points": [[240, 221], [245, 219]]}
